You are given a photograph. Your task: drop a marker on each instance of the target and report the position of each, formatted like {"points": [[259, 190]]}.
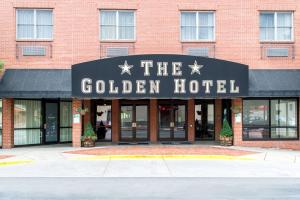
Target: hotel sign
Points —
{"points": [[159, 76]]}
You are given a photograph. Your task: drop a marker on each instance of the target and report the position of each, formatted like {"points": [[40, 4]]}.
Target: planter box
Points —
{"points": [[226, 141], [88, 143]]}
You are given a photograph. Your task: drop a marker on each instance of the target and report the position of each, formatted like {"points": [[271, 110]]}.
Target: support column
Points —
{"points": [[218, 118], [7, 123], [115, 129], [191, 120], [87, 116], [153, 121], [237, 126], [77, 125]]}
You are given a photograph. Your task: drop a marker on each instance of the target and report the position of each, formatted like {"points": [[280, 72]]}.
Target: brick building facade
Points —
{"points": [[40, 41]]}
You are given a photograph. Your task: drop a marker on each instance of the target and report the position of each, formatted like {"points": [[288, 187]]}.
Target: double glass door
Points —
{"points": [[172, 120], [134, 122]]}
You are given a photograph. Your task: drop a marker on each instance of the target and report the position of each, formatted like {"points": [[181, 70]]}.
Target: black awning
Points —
{"points": [[36, 83], [274, 83]]}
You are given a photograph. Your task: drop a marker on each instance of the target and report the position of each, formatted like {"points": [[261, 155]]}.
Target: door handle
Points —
{"points": [[133, 125], [172, 124], [45, 126]]}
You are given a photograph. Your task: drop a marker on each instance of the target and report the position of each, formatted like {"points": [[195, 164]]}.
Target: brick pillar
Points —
{"points": [[191, 120], [218, 118], [77, 127], [153, 121], [7, 123], [87, 116], [237, 126], [115, 129]]}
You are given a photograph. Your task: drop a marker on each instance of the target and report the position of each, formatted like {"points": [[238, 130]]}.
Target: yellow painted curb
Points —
{"points": [[17, 162], [174, 157]]}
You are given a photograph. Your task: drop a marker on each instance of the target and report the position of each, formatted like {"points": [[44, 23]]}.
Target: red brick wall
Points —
{"points": [[7, 123], [76, 30], [77, 127]]}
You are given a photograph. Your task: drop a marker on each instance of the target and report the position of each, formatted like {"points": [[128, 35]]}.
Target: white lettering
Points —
{"points": [[176, 71], [146, 64], [140, 86], [162, 69], [221, 86], [179, 86], [86, 86], [233, 88], [194, 87], [112, 89], [100, 86], [154, 86], [207, 84], [127, 87]]}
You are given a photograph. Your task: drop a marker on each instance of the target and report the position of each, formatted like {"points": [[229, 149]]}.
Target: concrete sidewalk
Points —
{"points": [[51, 161]]}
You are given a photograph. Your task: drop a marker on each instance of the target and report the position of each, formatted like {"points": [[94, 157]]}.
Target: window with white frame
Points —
{"points": [[34, 24], [276, 26], [197, 26], [117, 25]]}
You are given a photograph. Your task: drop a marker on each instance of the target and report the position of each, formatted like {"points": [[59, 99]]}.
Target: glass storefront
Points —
{"points": [[270, 119], [103, 122], [27, 122]]}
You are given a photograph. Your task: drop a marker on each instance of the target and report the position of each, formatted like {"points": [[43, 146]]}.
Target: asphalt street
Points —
{"points": [[148, 188]]}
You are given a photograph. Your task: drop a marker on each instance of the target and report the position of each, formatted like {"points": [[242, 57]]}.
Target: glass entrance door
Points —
{"points": [[134, 122], [204, 120], [51, 122], [172, 121]]}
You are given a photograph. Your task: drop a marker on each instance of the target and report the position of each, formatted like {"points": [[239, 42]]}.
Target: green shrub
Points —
{"points": [[89, 133], [1, 65], [226, 130]]}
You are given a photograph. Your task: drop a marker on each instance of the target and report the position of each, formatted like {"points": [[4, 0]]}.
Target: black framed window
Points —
{"points": [[265, 119], [27, 122]]}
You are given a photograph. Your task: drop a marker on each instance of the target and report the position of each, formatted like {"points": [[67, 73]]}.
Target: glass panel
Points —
{"points": [[27, 136], [25, 20], [126, 25], [204, 121], [142, 122], [65, 121], [51, 122], [267, 26], [165, 113], [283, 113], [284, 19], [103, 122], [44, 24], [284, 33], [27, 114], [255, 133], [108, 24], [180, 123], [188, 25], [206, 26], [283, 133], [126, 121], [256, 112]]}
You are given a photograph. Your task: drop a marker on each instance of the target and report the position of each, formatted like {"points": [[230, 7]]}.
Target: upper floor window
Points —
{"points": [[117, 25], [34, 24], [276, 26], [197, 26]]}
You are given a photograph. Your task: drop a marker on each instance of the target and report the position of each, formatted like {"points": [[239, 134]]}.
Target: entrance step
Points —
{"points": [[133, 143], [175, 142]]}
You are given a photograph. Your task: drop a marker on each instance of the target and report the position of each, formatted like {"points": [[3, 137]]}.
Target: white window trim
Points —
{"points": [[117, 25], [34, 26], [275, 26], [197, 25]]}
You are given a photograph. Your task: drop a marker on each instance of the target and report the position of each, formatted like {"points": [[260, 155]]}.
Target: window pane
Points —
{"points": [[284, 19], [255, 133], [44, 24], [206, 19], [108, 24], [27, 114], [27, 136], [44, 32], [255, 112], [188, 26], [267, 34], [284, 133], [25, 20], [126, 25], [206, 33], [283, 112], [284, 33], [65, 114], [267, 20]]}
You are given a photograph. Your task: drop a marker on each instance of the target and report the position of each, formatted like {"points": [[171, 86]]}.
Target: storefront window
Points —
{"points": [[65, 121], [0, 122], [270, 119], [27, 122]]}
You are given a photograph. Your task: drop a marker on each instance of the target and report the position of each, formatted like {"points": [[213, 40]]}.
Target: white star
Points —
{"points": [[126, 68], [195, 68]]}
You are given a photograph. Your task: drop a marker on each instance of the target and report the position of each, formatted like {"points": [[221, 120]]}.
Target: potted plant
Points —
{"points": [[1, 66], [226, 134], [89, 137], [82, 111]]}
